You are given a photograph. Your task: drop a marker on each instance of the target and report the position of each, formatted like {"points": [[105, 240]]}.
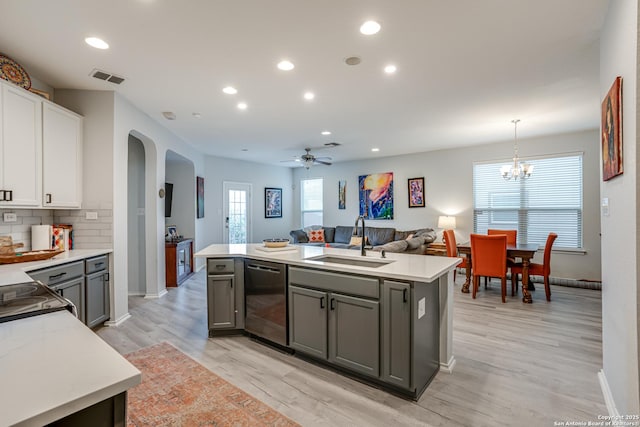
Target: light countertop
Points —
{"points": [[17, 273], [52, 365], [410, 267]]}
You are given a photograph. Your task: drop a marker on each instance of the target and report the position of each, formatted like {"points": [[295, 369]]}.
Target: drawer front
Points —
{"points": [[353, 285], [96, 264], [219, 266], [61, 273]]}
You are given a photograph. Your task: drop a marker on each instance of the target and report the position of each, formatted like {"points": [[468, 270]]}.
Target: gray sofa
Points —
{"points": [[378, 238]]}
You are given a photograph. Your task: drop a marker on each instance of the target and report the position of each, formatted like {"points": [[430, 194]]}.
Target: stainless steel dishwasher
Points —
{"points": [[265, 288]]}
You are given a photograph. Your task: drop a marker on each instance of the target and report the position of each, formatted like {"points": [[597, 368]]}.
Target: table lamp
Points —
{"points": [[446, 222]]}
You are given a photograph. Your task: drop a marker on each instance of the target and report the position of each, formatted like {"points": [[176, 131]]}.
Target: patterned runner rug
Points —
{"points": [[178, 391]]}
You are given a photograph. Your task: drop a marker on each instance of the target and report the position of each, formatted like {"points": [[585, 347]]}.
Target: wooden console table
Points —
{"points": [[178, 261]]}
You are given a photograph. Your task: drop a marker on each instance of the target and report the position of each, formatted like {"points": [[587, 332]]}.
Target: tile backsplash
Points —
{"points": [[87, 234]]}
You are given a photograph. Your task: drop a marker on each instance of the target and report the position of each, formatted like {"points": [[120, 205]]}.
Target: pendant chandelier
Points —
{"points": [[516, 169]]}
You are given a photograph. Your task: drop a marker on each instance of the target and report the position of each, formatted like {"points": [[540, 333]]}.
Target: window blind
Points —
{"points": [[548, 201]]}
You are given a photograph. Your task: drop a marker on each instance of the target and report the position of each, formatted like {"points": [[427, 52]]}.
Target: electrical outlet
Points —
{"points": [[10, 217], [92, 215]]}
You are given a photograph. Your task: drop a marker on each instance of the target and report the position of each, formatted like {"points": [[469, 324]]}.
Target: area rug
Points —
{"points": [[178, 391]]}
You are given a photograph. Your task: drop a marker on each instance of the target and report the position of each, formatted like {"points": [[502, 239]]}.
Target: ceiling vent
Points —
{"points": [[332, 144], [102, 75]]}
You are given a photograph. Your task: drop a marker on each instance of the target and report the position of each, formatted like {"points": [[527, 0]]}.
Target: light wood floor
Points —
{"points": [[517, 364]]}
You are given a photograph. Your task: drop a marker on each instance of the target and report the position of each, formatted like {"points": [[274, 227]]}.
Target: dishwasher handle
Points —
{"points": [[263, 268]]}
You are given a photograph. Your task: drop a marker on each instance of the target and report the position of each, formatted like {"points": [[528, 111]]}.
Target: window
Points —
{"points": [[311, 202], [549, 201]]}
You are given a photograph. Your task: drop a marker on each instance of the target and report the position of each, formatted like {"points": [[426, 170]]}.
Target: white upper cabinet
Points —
{"points": [[62, 157], [20, 147]]}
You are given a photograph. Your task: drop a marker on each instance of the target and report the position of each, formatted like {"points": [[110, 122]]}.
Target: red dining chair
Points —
{"points": [[512, 235], [543, 269], [452, 250], [489, 259], [512, 239]]}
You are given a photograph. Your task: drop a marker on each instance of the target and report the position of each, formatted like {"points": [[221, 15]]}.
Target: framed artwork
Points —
{"points": [[416, 192], [273, 202], [200, 196], [172, 231], [342, 194], [612, 131], [375, 193]]}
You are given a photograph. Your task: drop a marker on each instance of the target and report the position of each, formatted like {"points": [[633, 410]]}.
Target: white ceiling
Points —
{"points": [[466, 68]]}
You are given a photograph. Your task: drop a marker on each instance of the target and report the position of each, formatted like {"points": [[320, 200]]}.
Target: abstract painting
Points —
{"points": [[342, 194], [612, 131], [416, 192], [376, 195], [200, 196], [273, 202]]}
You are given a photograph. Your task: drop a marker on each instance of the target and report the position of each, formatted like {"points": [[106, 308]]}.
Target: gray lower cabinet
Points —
{"points": [[73, 290], [96, 290], [225, 294], [338, 328], [354, 334], [221, 296], [308, 321], [396, 333]]}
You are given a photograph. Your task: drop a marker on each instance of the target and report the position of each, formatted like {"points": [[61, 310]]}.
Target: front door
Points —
{"points": [[237, 212]]}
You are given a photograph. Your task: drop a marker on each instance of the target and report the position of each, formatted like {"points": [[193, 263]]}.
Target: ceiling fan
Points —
{"points": [[307, 160]]}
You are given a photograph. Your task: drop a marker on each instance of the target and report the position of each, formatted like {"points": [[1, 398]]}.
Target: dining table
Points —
{"points": [[524, 252]]}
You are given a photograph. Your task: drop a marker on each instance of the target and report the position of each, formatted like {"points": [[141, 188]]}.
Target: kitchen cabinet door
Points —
{"points": [[221, 303], [20, 147], [62, 157], [308, 321], [354, 334], [73, 290], [97, 299], [396, 333]]}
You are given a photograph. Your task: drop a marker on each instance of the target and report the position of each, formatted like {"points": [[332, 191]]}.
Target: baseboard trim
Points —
{"points": [[156, 296], [117, 322], [606, 393], [448, 367]]}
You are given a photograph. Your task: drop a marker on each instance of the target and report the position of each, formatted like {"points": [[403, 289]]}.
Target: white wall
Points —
{"points": [[448, 190], [179, 171], [618, 57], [260, 176], [136, 236]]}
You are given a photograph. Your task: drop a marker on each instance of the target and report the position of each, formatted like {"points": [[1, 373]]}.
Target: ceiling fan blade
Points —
{"points": [[322, 162], [325, 158]]}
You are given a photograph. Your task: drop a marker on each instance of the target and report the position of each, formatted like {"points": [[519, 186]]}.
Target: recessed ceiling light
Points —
{"points": [[390, 69], [96, 42], [197, 115], [309, 96], [369, 28], [230, 90], [286, 65], [375, 150], [245, 149], [352, 60], [242, 105], [325, 132]]}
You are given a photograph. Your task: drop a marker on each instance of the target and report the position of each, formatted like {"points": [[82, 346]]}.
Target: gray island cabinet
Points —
{"points": [[388, 325]]}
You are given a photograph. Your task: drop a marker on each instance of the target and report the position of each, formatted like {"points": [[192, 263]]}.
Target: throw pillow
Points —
{"points": [[316, 236], [355, 241]]}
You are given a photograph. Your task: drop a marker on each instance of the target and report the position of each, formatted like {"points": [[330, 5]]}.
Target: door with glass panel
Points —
{"points": [[237, 212]]}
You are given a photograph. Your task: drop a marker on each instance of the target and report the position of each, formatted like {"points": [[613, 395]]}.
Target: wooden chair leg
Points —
{"points": [[485, 282], [504, 288], [547, 289], [476, 280], [514, 284], [454, 275]]}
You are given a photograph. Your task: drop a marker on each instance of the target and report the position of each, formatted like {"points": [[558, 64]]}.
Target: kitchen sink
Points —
{"points": [[360, 262]]}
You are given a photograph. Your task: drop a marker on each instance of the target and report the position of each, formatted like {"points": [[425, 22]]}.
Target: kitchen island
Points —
{"points": [[385, 320]]}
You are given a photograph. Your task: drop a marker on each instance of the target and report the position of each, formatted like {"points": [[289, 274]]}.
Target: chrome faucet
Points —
{"points": [[355, 233]]}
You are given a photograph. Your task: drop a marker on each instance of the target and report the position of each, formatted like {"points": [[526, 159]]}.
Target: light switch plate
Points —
{"points": [[9, 217], [605, 206], [92, 215]]}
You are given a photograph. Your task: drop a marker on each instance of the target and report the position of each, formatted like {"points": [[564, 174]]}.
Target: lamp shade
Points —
{"points": [[447, 222]]}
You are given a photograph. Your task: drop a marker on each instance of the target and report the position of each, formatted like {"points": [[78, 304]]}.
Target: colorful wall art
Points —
{"points": [[612, 131], [342, 194], [273, 202], [416, 192], [376, 195]]}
